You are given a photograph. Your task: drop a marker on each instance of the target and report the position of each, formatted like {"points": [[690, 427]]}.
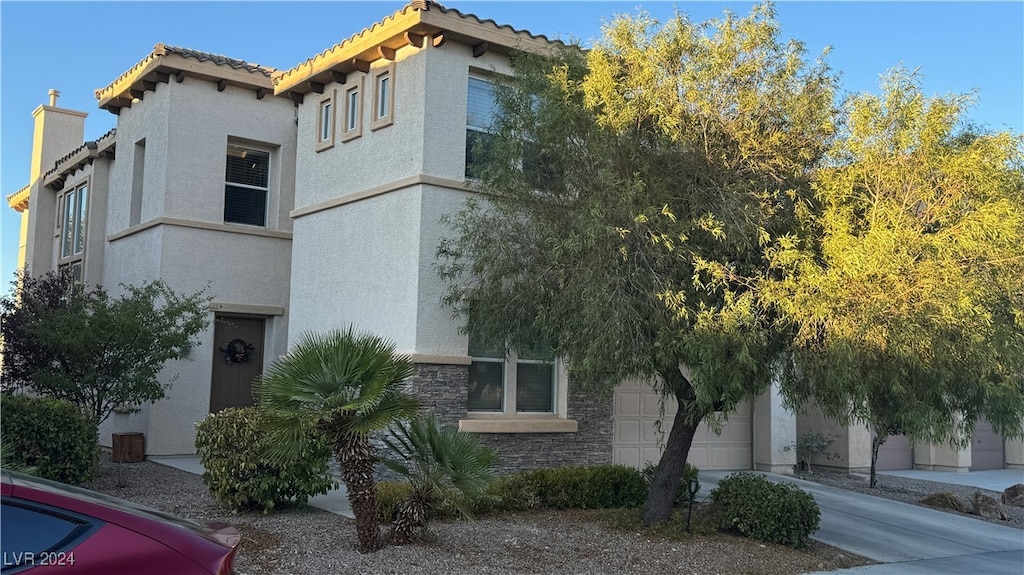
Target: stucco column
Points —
{"points": [[774, 430], [941, 457]]}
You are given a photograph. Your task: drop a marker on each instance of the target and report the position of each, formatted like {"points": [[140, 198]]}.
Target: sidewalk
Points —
{"points": [[907, 539], [334, 501]]}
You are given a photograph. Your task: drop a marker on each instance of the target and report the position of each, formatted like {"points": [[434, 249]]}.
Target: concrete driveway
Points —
{"points": [[906, 539]]}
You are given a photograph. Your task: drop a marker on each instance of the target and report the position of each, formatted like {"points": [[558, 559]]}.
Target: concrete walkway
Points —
{"points": [[907, 539], [335, 501]]}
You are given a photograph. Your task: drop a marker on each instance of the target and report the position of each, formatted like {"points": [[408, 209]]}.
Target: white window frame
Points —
{"points": [[383, 97], [352, 122], [72, 220], [266, 189], [477, 127], [325, 121]]}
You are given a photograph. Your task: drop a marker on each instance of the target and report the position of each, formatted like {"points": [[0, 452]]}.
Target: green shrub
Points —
{"points": [[690, 473], [510, 493], [389, 495], [773, 512], [231, 446], [611, 486], [596, 487], [51, 435]]}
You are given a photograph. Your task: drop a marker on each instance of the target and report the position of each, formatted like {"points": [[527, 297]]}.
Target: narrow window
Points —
{"points": [[325, 123], [75, 212], [138, 183], [383, 97], [353, 124], [247, 183]]}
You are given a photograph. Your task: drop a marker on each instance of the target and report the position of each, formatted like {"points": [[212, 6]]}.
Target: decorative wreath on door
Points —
{"points": [[238, 351]]}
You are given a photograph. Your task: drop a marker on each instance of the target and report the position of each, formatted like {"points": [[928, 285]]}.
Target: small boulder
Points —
{"points": [[1014, 495], [990, 507]]}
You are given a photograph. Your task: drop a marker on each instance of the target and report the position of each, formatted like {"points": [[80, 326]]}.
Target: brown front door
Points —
{"points": [[237, 360]]}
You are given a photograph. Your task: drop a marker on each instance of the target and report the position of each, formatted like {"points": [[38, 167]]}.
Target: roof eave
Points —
{"points": [[162, 67], [404, 28]]}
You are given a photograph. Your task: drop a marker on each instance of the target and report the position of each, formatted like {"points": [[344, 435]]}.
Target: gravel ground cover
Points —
{"points": [[311, 541], [913, 491]]}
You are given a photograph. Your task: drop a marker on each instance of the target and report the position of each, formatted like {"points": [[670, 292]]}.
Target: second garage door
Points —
{"points": [[636, 439]]}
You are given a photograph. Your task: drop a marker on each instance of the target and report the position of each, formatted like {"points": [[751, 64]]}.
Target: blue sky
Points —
{"points": [[77, 47]]}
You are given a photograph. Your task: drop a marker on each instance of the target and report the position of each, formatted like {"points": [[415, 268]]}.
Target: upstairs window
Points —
{"points": [[325, 122], [246, 187], [73, 222], [383, 97], [480, 112], [352, 126]]}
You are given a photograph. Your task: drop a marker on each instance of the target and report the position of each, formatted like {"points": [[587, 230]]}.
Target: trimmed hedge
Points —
{"points": [[772, 512], [230, 445], [596, 487], [51, 435]]}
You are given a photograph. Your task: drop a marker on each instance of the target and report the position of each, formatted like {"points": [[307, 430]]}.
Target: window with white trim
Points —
{"points": [[512, 383], [73, 212], [247, 186], [352, 122], [481, 109], [383, 97], [325, 122]]}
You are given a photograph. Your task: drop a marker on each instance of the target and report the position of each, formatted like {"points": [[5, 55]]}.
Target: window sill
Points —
{"points": [[518, 425]]}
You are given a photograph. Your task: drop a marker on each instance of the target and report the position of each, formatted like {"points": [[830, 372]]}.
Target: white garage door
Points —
{"points": [[636, 440]]}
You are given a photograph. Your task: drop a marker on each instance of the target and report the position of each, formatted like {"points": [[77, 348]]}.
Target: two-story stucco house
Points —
{"points": [[311, 199]]}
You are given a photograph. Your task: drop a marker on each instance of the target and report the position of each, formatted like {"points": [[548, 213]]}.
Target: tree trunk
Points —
{"points": [[410, 519], [356, 457], [876, 443], [662, 493]]}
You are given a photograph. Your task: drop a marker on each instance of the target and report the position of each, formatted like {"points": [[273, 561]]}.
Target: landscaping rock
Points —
{"points": [[1014, 495], [986, 506]]}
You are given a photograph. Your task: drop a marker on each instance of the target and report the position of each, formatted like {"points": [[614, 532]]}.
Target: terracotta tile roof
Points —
{"points": [[485, 21], [79, 157], [162, 49], [423, 17], [18, 201], [166, 59]]}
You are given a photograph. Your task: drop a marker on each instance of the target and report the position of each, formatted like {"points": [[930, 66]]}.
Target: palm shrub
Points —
{"points": [[349, 385], [443, 465]]}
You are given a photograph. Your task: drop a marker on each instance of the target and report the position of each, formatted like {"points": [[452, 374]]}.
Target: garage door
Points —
{"points": [[636, 440], [986, 447], [896, 453]]}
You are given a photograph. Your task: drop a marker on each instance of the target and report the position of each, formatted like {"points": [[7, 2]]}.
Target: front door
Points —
{"points": [[237, 360]]}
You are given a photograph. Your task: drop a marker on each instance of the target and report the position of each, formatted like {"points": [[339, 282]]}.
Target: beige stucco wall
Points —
{"points": [[186, 128], [371, 262]]}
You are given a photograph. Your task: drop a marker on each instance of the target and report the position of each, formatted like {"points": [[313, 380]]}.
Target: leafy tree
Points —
{"points": [[347, 385], [630, 193], [73, 342], [442, 464], [907, 287]]}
